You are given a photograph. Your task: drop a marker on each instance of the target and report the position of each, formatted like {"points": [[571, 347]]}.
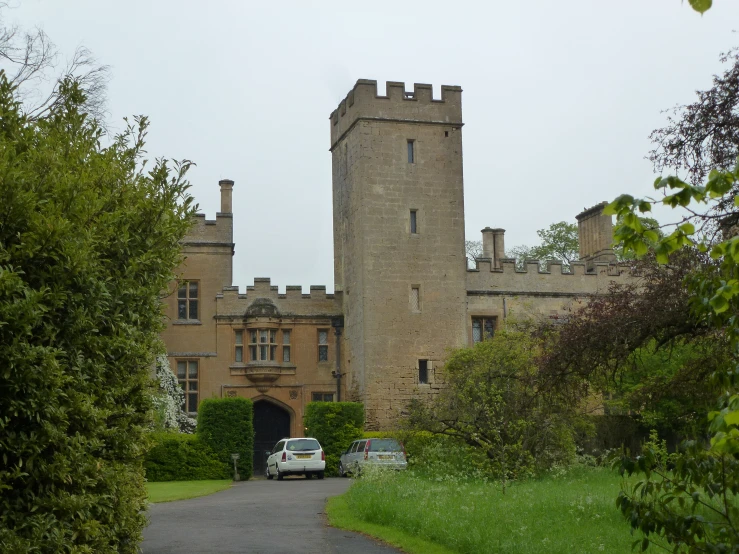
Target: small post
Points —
{"points": [[235, 457]]}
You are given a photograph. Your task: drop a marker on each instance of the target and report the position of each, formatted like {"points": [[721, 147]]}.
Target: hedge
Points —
{"points": [[88, 245], [226, 425], [183, 457], [335, 425]]}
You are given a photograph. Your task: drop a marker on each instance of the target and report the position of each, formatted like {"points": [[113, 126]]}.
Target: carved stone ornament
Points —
{"points": [[231, 394], [293, 394], [262, 307]]}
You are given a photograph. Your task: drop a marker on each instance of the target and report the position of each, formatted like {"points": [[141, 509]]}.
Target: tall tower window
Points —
{"points": [[416, 298], [423, 372], [411, 151], [414, 222]]}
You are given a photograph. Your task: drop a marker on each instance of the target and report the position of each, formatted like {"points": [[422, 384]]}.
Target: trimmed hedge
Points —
{"points": [[183, 457], [226, 425], [335, 425]]}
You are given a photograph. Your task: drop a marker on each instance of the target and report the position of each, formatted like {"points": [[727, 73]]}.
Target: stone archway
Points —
{"points": [[271, 423]]}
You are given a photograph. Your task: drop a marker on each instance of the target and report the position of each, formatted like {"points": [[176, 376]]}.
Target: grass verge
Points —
{"points": [[167, 491], [571, 513], [339, 515]]}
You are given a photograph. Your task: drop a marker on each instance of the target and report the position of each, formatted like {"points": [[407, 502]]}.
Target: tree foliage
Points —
{"points": [[559, 241], [494, 400], [30, 60], [88, 241]]}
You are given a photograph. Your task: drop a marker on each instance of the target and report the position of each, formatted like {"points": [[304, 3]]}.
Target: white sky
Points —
{"points": [[559, 98]]}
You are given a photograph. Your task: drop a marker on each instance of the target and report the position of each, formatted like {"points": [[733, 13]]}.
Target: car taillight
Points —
{"points": [[366, 450], [284, 456], [323, 455]]}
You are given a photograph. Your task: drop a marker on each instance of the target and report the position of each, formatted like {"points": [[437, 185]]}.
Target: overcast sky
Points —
{"points": [[559, 98]]}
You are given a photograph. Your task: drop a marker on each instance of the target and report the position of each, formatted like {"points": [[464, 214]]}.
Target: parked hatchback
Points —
{"points": [[303, 456], [387, 453]]}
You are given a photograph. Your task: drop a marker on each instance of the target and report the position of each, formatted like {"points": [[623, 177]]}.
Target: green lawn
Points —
{"points": [[167, 491], [571, 513]]}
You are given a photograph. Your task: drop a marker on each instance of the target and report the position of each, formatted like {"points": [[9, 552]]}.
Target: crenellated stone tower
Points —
{"points": [[398, 239]]}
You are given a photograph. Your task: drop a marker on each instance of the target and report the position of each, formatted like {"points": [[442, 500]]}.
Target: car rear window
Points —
{"points": [[384, 445], [303, 444]]}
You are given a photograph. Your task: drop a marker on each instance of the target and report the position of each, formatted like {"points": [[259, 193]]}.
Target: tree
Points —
{"points": [[641, 344], [29, 57], [494, 401], [703, 135], [707, 479], [88, 242], [560, 241], [473, 250]]}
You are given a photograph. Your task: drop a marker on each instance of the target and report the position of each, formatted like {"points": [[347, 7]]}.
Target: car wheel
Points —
{"points": [[280, 476], [342, 473], [320, 474], [269, 475], [308, 475]]}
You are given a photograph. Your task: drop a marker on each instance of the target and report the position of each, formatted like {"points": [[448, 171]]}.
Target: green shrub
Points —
{"points": [[88, 244], [335, 425], [226, 425], [183, 457]]}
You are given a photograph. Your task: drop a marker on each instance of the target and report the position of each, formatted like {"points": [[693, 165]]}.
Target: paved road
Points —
{"points": [[278, 517]]}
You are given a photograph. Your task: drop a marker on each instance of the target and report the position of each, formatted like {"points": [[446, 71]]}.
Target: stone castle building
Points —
{"points": [[403, 293]]}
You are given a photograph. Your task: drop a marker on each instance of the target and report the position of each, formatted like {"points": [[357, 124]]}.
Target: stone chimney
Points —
{"points": [[227, 186], [595, 232], [493, 245]]}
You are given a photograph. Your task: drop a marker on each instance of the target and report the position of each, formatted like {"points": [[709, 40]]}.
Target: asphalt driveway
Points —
{"points": [[255, 516]]}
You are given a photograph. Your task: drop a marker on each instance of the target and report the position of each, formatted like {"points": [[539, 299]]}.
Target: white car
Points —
{"points": [[299, 456]]}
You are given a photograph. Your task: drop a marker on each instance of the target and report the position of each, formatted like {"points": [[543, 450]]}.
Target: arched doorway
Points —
{"points": [[271, 423]]}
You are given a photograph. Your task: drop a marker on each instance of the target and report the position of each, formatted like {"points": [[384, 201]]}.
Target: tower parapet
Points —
{"points": [[363, 103]]}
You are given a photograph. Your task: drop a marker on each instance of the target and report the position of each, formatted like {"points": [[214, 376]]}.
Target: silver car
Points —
{"points": [[386, 453]]}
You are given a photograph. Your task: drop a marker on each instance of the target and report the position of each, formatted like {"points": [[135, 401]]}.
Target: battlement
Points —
{"points": [[419, 106], [535, 278], [293, 302], [209, 233], [213, 233]]}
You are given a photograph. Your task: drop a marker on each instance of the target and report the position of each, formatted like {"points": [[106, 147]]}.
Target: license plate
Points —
{"points": [[384, 457], [302, 456]]}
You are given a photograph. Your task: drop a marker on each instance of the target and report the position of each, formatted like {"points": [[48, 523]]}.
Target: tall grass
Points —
{"points": [[573, 512]]}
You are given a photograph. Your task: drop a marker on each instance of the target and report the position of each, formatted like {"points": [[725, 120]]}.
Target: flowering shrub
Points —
{"points": [[168, 402]]}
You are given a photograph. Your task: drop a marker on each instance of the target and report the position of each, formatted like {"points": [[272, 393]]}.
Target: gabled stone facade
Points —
{"points": [[403, 293]]}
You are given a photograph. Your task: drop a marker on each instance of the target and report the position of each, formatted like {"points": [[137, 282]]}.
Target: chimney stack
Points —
{"points": [[595, 232], [227, 186], [493, 245]]}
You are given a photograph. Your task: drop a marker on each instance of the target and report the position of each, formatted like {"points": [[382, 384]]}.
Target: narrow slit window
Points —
{"points": [[411, 151], [423, 372], [414, 222], [286, 346], [416, 299]]}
